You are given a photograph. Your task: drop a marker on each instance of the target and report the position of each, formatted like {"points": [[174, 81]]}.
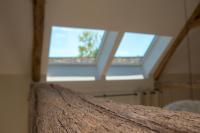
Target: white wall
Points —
{"points": [[15, 36], [155, 16], [108, 87], [179, 63], [15, 64], [175, 78], [14, 103]]}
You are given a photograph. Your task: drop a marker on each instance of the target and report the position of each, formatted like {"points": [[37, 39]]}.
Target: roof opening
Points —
{"points": [[74, 45], [132, 48], [76, 54]]}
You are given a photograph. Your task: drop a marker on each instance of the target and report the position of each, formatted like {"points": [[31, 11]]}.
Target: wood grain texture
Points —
{"points": [[182, 34], [195, 24], [38, 29], [59, 110]]}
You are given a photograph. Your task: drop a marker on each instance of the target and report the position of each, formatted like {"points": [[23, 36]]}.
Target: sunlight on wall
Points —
{"points": [[70, 78], [129, 77]]}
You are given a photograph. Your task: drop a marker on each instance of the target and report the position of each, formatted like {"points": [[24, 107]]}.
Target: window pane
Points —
{"points": [[132, 48], [134, 45], [74, 44]]}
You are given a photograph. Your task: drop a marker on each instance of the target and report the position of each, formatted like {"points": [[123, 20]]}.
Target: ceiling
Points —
{"points": [[156, 16]]}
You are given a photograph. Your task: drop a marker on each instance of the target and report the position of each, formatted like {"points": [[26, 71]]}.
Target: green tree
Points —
{"points": [[88, 40]]}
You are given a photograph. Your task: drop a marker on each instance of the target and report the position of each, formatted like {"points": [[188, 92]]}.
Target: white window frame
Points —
{"points": [[103, 63]]}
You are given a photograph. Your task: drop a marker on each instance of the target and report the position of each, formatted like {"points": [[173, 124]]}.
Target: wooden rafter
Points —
{"points": [[195, 24], [182, 34], [38, 29]]}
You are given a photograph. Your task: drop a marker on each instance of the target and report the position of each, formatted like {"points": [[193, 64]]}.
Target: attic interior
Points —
{"points": [[165, 72]]}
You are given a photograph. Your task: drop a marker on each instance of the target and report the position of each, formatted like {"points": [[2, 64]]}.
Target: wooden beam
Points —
{"points": [[197, 17], [38, 29], [195, 24], [182, 34]]}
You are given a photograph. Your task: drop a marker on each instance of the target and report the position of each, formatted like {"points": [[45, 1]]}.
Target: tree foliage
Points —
{"points": [[88, 48]]}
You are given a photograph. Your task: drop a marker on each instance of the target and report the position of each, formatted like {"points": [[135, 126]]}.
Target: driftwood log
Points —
{"points": [[54, 109]]}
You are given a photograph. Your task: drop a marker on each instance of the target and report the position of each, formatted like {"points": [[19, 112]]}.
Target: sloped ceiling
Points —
{"points": [[164, 17], [15, 36]]}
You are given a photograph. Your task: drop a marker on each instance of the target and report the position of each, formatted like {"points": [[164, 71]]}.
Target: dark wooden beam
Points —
{"points": [[38, 29], [182, 34], [195, 24]]}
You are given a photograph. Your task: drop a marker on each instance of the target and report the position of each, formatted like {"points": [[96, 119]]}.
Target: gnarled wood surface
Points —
{"points": [[58, 110]]}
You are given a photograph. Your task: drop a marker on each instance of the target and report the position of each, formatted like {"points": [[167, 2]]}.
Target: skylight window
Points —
{"points": [[132, 48], [134, 45], [74, 45], [71, 48]]}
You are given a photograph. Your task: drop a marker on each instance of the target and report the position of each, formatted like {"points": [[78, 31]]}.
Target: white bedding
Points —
{"points": [[184, 105]]}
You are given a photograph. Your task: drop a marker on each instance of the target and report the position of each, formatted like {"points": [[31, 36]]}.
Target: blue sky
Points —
{"points": [[134, 44], [64, 42]]}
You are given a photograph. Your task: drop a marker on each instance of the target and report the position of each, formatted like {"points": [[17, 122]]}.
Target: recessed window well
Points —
{"points": [[127, 77], [81, 54], [69, 78]]}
